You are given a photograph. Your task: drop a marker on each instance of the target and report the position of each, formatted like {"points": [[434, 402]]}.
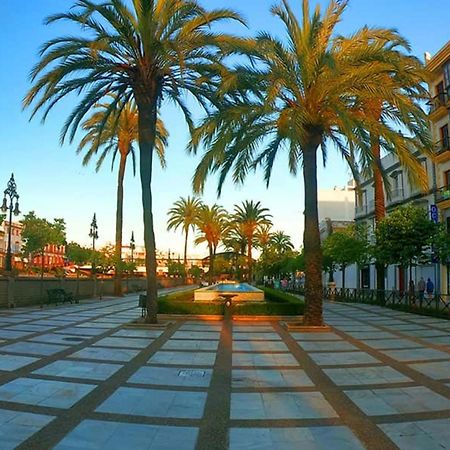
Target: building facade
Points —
{"points": [[439, 88], [16, 242]]}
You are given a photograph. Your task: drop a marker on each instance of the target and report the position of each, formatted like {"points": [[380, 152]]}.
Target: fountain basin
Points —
{"points": [[243, 292]]}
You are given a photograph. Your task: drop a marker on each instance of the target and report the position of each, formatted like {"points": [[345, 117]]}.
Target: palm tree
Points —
{"points": [[300, 95], [281, 242], [235, 241], [149, 51], [184, 214], [251, 215], [405, 83], [117, 135], [212, 223]]}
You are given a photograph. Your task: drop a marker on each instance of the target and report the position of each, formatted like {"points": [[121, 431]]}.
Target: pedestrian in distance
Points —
{"points": [[430, 288], [421, 287]]}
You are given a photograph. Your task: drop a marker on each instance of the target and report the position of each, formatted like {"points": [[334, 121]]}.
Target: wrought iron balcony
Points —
{"points": [[442, 194], [441, 99], [442, 146]]}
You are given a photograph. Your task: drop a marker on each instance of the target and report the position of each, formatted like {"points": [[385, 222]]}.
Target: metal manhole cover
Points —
{"points": [[75, 339], [191, 373]]}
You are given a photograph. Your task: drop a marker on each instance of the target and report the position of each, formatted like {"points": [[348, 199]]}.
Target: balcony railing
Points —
{"points": [[442, 146], [366, 208], [439, 100], [443, 193]]}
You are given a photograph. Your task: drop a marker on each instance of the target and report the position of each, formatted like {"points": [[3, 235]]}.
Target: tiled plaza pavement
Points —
{"points": [[74, 377]]}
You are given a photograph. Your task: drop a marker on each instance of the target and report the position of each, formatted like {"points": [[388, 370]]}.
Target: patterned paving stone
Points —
{"points": [[13, 334], [57, 394], [16, 427], [64, 339], [263, 336], [124, 342], [359, 376], [417, 354], [435, 370], [259, 346], [168, 376], [342, 358], [34, 348], [95, 434], [190, 344], [79, 369], [317, 346], [390, 401], [213, 335], [263, 359], [280, 405], [315, 336], [420, 435], [105, 354], [138, 333], [269, 378], [183, 358], [317, 438], [380, 344], [155, 403], [362, 335], [14, 362]]}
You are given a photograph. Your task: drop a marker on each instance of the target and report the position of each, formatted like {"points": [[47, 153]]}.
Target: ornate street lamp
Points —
{"points": [[11, 192], [132, 246], [93, 233]]}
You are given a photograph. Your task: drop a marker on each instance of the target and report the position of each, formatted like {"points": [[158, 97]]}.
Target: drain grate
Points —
{"points": [[190, 373]]}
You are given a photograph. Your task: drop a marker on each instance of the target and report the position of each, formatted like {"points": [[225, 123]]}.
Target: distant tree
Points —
{"points": [[251, 215], [184, 214], [78, 254], [405, 237], [212, 224], [343, 248], [281, 242], [176, 268], [195, 272], [37, 233]]}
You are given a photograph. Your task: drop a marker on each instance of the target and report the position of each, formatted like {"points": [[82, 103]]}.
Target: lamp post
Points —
{"points": [[132, 246], [93, 233], [11, 192]]}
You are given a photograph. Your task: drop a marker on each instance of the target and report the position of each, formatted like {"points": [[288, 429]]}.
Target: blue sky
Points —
{"points": [[52, 181]]}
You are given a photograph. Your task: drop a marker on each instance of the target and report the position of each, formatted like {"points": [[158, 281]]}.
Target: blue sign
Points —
{"points": [[434, 213]]}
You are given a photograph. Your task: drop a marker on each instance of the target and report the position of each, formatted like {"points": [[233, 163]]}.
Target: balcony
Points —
{"points": [[397, 195], [443, 194], [442, 146], [440, 102], [365, 208]]}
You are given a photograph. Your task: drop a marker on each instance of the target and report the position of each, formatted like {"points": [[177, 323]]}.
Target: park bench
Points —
{"points": [[59, 295]]}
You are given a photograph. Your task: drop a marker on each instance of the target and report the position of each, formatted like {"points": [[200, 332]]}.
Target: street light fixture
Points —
{"points": [[11, 192], [93, 233]]}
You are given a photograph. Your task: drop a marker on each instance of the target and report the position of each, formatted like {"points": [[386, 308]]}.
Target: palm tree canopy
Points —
{"points": [[212, 223], [153, 50], [234, 239], [184, 213], [117, 134], [281, 242], [250, 215], [309, 91], [263, 236]]}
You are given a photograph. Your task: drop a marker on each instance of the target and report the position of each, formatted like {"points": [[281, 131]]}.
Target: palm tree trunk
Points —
{"points": [[380, 208], [211, 265], [147, 107], [119, 224], [311, 241], [249, 260], [185, 246]]}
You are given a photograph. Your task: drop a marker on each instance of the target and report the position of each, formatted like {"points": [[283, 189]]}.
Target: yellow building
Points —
{"points": [[439, 88]]}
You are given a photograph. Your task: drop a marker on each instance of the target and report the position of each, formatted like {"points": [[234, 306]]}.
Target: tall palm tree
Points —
{"points": [[300, 95], [281, 242], [212, 223], [145, 50], [405, 83], [184, 214], [264, 235], [251, 215], [235, 241], [117, 135]]}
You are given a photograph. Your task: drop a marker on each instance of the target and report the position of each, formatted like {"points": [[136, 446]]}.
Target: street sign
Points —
{"points": [[434, 213]]}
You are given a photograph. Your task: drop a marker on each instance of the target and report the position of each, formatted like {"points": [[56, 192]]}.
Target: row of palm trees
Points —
{"points": [[297, 95], [249, 226]]}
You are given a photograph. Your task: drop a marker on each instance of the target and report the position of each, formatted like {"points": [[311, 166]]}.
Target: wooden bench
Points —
{"points": [[59, 295]]}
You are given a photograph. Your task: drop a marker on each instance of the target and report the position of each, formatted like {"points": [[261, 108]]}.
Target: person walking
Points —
{"points": [[421, 288], [430, 288]]}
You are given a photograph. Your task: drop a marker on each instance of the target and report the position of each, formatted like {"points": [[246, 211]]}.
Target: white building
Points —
{"points": [[338, 203]]}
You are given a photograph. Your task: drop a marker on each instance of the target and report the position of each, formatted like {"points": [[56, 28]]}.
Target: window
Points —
{"points": [[447, 74], [440, 92], [447, 220], [445, 138], [447, 178]]}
